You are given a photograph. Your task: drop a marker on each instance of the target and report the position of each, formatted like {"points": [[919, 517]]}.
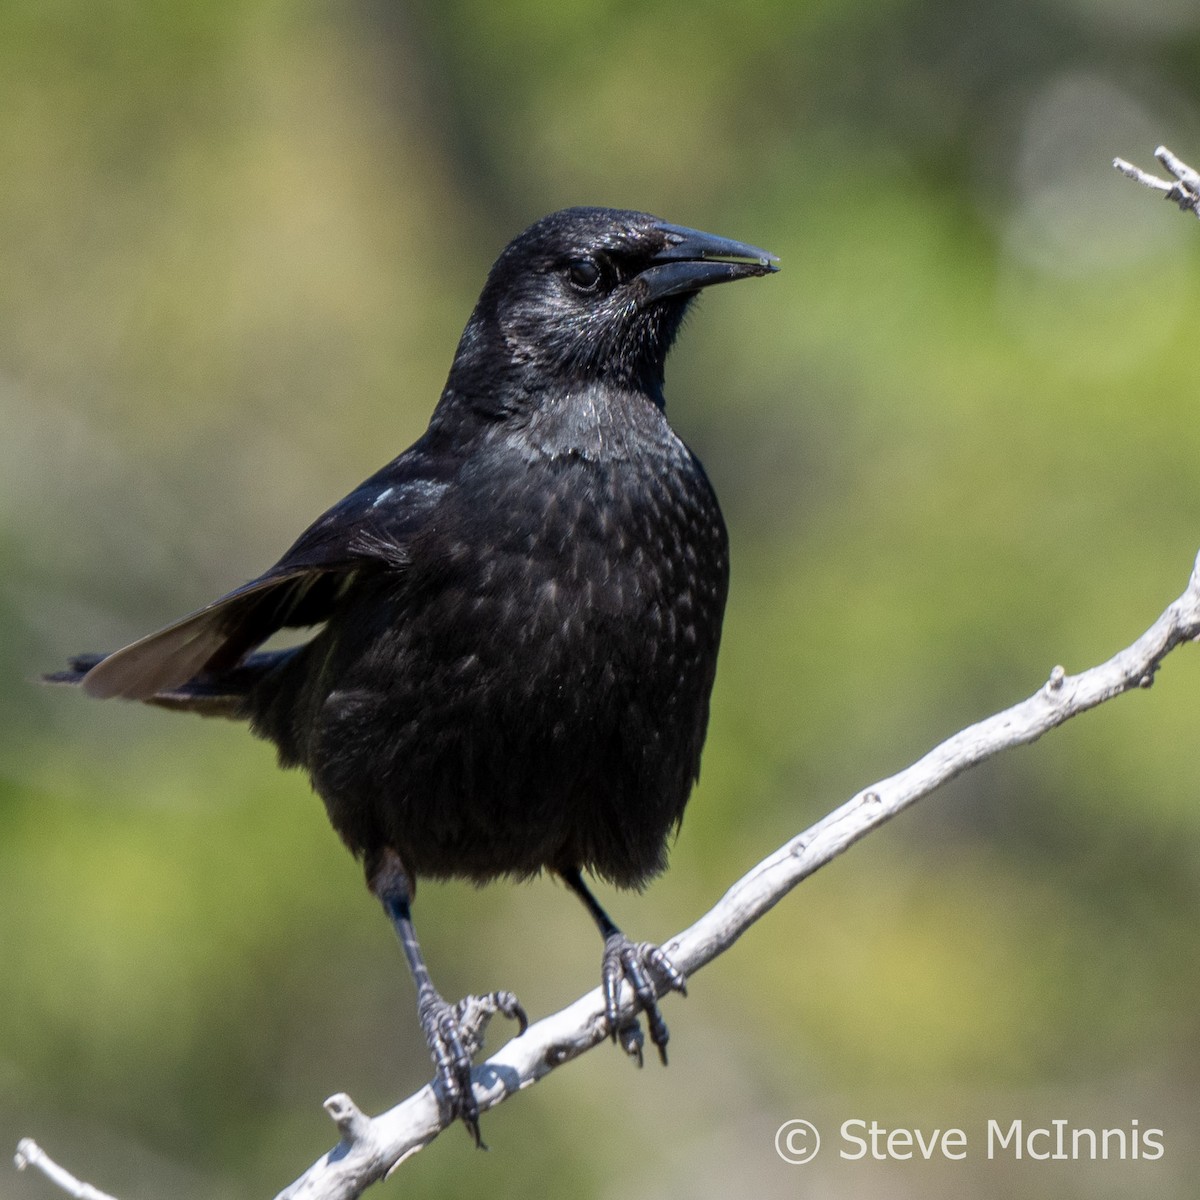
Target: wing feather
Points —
{"points": [[370, 530], [213, 638]]}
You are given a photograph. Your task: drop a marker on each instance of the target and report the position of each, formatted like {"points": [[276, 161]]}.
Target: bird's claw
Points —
{"points": [[474, 1012], [454, 1033], [629, 1035], [635, 962]]}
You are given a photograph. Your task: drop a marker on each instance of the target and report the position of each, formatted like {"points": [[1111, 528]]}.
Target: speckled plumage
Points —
{"points": [[531, 688]]}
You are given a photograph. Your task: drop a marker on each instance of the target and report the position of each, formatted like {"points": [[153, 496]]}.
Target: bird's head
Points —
{"points": [[591, 295]]}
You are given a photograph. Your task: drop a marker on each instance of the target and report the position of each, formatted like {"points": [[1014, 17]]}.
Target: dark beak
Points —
{"points": [[692, 260]]}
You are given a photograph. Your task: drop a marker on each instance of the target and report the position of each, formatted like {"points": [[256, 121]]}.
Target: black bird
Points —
{"points": [[519, 616]]}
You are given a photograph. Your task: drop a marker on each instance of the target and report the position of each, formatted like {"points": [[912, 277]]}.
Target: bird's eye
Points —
{"points": [[584, 273]]}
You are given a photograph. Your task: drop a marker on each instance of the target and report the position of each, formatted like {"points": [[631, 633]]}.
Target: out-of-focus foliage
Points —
{"points": [[957, 442]]}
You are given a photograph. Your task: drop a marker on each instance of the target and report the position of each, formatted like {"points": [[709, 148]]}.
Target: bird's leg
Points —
{"points": [[630, 961], [454, 1032]]}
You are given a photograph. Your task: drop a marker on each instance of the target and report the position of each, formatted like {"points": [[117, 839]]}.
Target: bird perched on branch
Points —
{"points": [[518, 616]]}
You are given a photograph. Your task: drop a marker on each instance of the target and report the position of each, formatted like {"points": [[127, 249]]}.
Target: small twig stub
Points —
{"points": [[30, 1154]]}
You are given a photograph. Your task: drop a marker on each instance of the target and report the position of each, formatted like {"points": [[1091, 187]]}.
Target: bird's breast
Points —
{"points": [[541, 684], [572, 548]]}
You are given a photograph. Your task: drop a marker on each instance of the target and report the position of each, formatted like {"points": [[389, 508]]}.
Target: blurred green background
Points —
{"points": [[956, 441]]}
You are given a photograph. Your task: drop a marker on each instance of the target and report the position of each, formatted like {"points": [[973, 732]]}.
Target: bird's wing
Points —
{"points": [[371, 529]]}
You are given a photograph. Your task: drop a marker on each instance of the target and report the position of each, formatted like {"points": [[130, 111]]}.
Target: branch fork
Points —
{"points": [[1183, 189]]}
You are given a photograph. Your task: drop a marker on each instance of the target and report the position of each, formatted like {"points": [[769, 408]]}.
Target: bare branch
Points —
{"points": [[1184, 189], [384, 1142], [372, 1147]]}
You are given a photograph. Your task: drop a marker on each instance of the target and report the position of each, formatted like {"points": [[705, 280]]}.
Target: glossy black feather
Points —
{"points": [[519, 616], [517, 619]]}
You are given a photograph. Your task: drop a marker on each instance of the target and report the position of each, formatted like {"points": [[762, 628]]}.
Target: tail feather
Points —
{"points": [[217, 695], [77, 668]]}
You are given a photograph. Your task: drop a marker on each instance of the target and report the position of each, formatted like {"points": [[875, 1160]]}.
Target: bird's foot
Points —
{"points": [[635, 963], [454, 1033]]}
